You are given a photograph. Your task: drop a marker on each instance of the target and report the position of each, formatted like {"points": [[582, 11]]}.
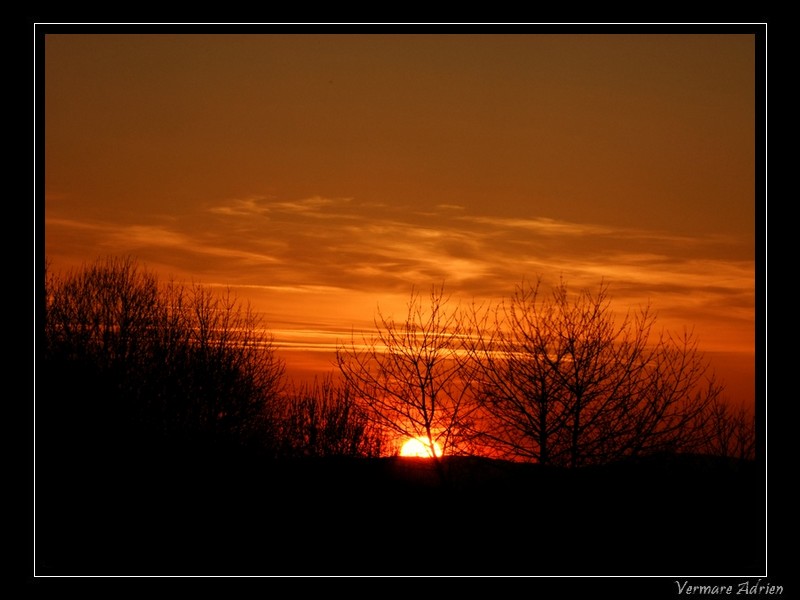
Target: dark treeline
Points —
{"points": [[132, 364], [162, 412], [142, 364], [161, 409]]}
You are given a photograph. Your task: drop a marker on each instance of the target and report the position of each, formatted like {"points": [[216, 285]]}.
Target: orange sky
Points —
{"points": [[321, 175]]}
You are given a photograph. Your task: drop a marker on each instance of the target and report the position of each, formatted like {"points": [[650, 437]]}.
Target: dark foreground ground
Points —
{"points": [[660, 516]]}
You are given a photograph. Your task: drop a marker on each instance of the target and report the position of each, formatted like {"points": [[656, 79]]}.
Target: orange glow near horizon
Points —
{"points": [[420, 447]]}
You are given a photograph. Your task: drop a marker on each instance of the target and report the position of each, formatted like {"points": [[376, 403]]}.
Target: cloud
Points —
{"points": [[50, 196], [564, 229], [311, 205], [148, 236], [376, 247], [262, 205], [363, 246], [541, 225], [326, 253], [295, 289], [73, 224], [242, 207], [152, 240]]}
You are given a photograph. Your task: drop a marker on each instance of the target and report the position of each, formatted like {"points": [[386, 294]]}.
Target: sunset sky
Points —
{"points": [[323, 175]]}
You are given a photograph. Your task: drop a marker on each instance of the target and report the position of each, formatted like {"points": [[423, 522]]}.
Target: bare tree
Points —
{"points": [[235, 372], [177, 362], [323, 419], [408, 375], [100, 328], [730, 431], [108, 311], [564, 382]]}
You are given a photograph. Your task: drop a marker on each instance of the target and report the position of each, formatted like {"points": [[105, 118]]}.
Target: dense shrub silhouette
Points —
{"points": [[129, 364], [324, 419]]}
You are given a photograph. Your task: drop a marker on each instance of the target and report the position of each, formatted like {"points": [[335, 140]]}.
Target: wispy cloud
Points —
{"points": [[148, 236], [310, 205], [262, 205], [51, 196], [149, 240], [242, 207], [557, 228], [54, 223], [317, 248], [369, 244], [541, 225]]}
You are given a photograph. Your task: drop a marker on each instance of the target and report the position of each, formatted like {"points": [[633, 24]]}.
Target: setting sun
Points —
{"points": [[420, 447]]}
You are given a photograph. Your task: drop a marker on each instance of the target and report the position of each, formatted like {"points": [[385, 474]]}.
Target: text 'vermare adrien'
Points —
{"points": [[744, 587]]}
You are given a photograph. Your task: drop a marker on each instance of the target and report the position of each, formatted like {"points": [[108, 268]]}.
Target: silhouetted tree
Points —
{"points": [[408, 375], [323, 419], [172, 363], [234, 373], [730, 431], [564, 382], [100, 328], [107, 313]]}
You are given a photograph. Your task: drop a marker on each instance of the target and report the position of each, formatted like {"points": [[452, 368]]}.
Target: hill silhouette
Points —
{"points": [[241, 515]]}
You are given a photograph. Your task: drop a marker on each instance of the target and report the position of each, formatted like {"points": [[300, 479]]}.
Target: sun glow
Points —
{"points": [[420, 447]]}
